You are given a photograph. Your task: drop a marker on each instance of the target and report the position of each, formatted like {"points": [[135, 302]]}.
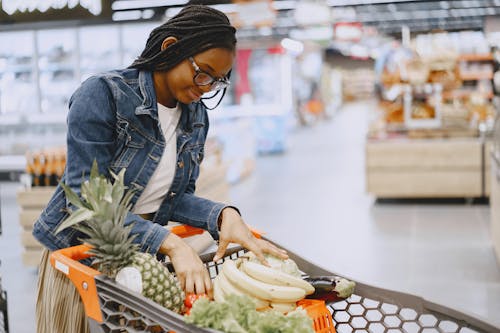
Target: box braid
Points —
{"points": [[197, 29]]}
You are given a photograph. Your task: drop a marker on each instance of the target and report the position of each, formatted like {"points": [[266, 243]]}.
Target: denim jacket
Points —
{"points": [[113, 118]]}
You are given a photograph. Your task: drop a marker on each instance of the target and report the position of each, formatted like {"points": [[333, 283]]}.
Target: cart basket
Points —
{"points": [[112, 308]]}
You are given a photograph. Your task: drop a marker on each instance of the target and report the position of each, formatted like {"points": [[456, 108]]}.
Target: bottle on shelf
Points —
{"points": [[60, 164], [50, 168], [45, 167], [38, 178]]}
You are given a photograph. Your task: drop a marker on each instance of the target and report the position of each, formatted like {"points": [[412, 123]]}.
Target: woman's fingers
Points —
{"points": [[259, 247], [223, 244], [256, 246], [208, 283], [189, 286], [274, 250], [200, 284]]}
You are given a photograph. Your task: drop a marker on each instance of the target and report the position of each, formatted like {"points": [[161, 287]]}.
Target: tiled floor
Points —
{"points": [[312, 201]]}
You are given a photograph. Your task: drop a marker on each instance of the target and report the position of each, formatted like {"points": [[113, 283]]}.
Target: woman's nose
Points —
{"points": [[206, 88]]}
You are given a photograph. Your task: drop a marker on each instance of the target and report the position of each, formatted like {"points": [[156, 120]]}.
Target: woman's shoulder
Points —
{"points": [[112, 80], [126, 74]]}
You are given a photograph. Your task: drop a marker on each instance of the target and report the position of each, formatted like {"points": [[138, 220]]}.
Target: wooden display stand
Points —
{"points": [[31, 203], [495, 204], [488, 181], [425, 168], [211, 184]]}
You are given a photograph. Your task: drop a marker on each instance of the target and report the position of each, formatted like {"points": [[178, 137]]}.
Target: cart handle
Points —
{"points": [[67, 261], [82, 276], [188, 231]]}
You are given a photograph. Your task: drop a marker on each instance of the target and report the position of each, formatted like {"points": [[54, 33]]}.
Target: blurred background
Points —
{"points": [[361, 134]]}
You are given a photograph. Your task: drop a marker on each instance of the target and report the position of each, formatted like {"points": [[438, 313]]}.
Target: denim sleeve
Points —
{"points": [[91, 135], [91, 131], [199, 212], [148, 234]]}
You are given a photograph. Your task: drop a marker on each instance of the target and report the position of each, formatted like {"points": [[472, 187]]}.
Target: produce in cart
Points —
{"points": [[100, 215], [234, 279], [277, 287], [331, 288], [252, 298], [237, 314]]}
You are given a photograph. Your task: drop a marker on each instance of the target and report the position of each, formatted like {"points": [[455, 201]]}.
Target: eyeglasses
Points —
{"points": [[202, 78]]}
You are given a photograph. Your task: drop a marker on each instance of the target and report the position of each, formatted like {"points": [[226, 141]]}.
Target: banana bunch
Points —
{"points": [[267, 287]]}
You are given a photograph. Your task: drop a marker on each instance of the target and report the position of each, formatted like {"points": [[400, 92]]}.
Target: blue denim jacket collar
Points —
{"points": [[146, 85], [149, 107]]}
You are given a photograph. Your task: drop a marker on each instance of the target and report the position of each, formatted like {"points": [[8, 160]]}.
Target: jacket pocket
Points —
{"points": [[128, 143], [197, 154]]}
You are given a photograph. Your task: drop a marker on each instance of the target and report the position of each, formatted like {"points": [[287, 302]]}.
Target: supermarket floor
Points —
{"points": [[312, 201]]}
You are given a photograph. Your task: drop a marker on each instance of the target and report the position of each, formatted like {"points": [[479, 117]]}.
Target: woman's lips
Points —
{"points": [[194, 95]]}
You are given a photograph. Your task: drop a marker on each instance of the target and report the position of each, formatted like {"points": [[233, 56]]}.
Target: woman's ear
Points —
{"points": [[167, 42]]}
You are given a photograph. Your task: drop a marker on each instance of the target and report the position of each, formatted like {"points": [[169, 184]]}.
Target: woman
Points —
{"points": [[151, 120]]}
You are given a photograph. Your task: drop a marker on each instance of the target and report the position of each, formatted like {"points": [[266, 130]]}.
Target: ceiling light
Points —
{"points": [[282, 5], [171, 12], [293, 46], [128, 15], [135, 4]]}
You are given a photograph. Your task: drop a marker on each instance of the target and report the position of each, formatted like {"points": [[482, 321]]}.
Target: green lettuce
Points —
{"points": [[238, 315]]}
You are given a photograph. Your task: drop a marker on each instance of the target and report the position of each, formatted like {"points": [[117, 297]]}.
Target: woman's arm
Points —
{"points": [[198, 212], [92, 135]]}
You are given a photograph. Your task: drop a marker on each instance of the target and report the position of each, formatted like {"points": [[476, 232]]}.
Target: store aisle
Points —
{"points": [[312, 200], [18, 280]]}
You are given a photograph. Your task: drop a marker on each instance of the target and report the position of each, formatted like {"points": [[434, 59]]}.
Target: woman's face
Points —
{"points": [[178, 84]]}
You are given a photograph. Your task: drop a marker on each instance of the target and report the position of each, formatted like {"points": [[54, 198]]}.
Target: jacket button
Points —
{"points": [[180, 164], [172, 194]]}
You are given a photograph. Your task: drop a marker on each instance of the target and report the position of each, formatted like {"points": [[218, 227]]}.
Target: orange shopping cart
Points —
{"points": [[111, 308]]}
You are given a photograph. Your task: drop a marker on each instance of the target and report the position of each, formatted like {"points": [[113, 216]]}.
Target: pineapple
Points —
{"points": [[100, 214]]}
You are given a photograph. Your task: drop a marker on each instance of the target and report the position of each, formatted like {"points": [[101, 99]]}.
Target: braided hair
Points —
{"points": [[197, 29]]}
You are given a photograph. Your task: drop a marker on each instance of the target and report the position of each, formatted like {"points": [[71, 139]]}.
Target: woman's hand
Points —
{"points": [[234, 230], [191, 272]]}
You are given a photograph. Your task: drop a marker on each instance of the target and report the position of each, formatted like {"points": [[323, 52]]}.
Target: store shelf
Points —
{"points": [[9, 163], [476, 57], [495, 204], [476, 76], [19, 69], [487, 181], [57, 68], [425, 168], [462, 94]]}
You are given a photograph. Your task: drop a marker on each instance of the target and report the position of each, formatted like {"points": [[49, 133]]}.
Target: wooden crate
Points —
{"points": [[488, 149], [495, 205], [31, 203], [411, 168]]}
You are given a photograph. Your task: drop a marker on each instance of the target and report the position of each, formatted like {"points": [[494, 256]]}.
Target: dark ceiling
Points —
{"points": [[387, 16], [421, 16]]}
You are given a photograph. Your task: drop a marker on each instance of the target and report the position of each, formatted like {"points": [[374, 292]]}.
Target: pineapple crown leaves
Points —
{"points": [[100, 200], [112, 247]]}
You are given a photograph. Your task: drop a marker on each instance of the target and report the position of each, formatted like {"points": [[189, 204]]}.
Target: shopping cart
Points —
{"points": [[111, 308]]}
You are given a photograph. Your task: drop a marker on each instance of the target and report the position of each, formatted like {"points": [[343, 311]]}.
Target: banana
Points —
{"points": [[283, 307], [260, 289], [218, 293], [273, 276], [228, 288]]}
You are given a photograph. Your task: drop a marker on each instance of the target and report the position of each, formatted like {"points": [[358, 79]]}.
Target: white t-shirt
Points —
{"points": [[161, 180]]}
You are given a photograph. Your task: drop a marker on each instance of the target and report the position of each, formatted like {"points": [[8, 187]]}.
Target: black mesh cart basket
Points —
{"points": [[112, 308]]}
